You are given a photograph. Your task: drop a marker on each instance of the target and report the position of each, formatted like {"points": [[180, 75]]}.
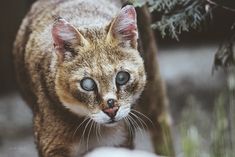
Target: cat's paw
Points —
{"points": [[117, 152]]}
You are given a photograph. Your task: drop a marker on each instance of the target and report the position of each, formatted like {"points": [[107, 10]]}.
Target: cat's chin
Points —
{"points": [[111, 123]]}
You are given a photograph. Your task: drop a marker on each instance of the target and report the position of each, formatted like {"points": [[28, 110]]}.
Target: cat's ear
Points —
{"points": [[65, 36], [123, 28]]}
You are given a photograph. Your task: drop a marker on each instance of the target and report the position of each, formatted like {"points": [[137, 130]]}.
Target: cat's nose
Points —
{"points": [[110, 103], [111, 112]]}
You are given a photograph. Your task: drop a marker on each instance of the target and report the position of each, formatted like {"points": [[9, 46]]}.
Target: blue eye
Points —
{"points": [[122, 78], [88, 84]]}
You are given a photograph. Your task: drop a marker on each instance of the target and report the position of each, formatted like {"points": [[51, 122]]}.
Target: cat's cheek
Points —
{"points": [[123, 112], [77, 109]]}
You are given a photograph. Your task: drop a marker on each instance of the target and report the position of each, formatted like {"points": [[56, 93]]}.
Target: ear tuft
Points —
{"points": [[124, 27]]}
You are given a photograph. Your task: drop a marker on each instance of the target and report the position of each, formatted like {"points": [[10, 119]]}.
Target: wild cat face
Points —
{"points": [[100, 72]]}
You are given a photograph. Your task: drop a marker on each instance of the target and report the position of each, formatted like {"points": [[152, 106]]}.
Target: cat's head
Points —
{"points": [[100, 73]]}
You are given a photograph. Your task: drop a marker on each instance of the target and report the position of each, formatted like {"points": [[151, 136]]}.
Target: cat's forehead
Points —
{"points": [[105, 61], [100, 62], [100, 51], [102, 54]]}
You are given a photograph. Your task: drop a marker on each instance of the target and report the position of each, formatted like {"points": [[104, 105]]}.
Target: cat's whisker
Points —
{"points": [[96, 132], [79, 126], [83, 133], [134, 122], [137, 127], [129, 126], [133, 125], [125, 121], [142, 123], [81, 139], [137, 118], [147, 118], [88, 137], [99, 131]]}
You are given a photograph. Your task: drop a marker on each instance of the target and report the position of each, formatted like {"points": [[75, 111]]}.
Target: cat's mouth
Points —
{"points": [[112, 121]]}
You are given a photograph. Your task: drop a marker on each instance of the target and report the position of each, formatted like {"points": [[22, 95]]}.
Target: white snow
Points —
{"points": [[119, 152]]}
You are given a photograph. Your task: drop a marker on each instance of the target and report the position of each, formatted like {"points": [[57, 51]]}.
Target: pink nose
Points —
{"points": [[111, 112]]}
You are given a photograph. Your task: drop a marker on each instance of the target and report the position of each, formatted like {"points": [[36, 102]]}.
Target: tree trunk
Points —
{"points": [[154, 101]]}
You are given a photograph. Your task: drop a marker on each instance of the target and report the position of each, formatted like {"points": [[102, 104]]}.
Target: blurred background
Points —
{"points": [[199, 103]]}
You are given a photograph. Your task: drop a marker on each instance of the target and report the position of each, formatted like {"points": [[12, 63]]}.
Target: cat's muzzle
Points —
{"points": [[111, 111]]}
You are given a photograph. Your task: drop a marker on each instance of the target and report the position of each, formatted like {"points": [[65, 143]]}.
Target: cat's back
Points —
{"points": [[83, 14], [80, 13]]}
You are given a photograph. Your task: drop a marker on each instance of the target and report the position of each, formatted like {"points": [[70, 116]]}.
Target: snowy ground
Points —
{"points": [[186, 70]]}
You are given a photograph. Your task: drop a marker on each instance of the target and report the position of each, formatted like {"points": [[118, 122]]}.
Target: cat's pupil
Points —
{"points": [[122, 78], [88, 84]]}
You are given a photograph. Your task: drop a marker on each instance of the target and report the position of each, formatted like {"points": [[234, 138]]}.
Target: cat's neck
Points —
{"points": [[95, 135]]}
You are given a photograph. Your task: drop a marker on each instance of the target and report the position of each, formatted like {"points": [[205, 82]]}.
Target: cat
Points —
{"points": [[79, 69]]}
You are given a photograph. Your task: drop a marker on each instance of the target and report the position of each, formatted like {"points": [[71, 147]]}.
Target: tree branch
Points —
{"points": [[222, 6]]}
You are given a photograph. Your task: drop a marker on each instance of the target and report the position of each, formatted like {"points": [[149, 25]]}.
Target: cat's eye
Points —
{"points": [[88, 84], [122, 78]]}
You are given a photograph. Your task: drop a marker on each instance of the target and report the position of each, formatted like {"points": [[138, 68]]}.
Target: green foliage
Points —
{"points": [[194, 129], [213, 141], [165, 6], [191, 142], [177, 15], [220, 136]]}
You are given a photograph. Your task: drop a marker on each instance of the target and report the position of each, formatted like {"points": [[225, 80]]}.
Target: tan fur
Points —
{"points": [[50, 82]]}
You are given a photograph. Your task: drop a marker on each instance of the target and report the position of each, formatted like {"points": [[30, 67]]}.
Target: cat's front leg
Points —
{"points": [[53, 141], [56, 152]]}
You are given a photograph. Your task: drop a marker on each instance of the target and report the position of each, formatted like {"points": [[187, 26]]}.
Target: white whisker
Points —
{"points": [[83, 133], [99, 131], [144, 116], [96, 132], [80, 126], [128, 125], [132, 126], [137, 127], [142, 123], [87, 146]]}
